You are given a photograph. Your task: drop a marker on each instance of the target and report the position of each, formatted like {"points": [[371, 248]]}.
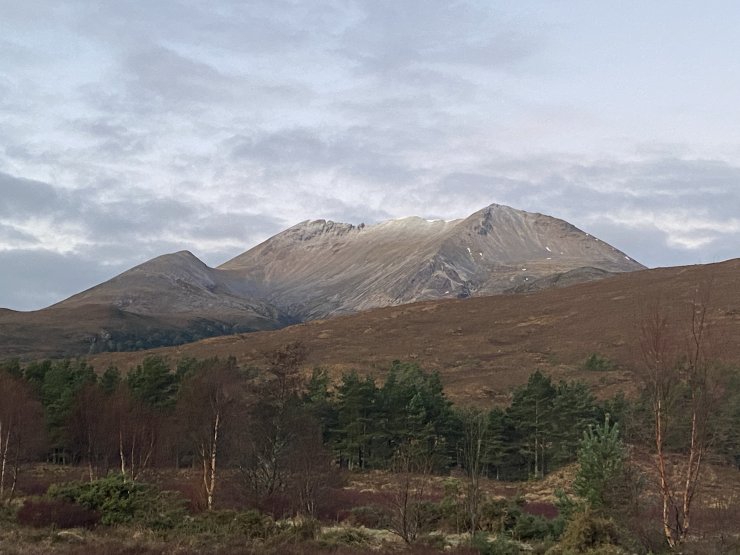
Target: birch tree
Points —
{"points": [[135, 427], [210, 401], [474, 456], [21, 431], [679, 377]]}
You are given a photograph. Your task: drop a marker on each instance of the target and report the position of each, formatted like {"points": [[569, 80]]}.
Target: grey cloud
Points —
{"points": [[353, 152], [113, 140], [394, 36], [233, 225], [12, 235], [162, 76], [39, 278], [24, 197]]}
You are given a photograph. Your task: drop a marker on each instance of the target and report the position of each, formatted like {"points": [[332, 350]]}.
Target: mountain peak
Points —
{"points": [[320, 267]]}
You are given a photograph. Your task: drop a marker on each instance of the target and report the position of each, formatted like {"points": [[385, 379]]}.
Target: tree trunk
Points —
{"points": [[3, 459], [210, 481]]}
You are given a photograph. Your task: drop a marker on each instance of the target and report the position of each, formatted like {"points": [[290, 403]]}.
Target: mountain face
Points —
{"points": [[169, 300], [313, 270], [319, 268]]}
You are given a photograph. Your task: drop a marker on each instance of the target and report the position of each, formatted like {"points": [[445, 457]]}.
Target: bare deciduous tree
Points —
{"points": [[411, 466], [309, 466], [91, 429], [676, 351], [136, 427], [210, 400], [274, 420], [21, 431], [475, 431]]}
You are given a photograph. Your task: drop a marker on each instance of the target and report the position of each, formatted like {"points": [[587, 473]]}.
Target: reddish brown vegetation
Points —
{"points": [[53, 512], [485, 346]]}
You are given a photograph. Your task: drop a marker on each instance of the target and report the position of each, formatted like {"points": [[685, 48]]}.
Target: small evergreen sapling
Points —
{"points": [[601, 459]]}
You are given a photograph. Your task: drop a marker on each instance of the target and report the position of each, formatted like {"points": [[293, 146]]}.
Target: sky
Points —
{"points": [[133, 129]]}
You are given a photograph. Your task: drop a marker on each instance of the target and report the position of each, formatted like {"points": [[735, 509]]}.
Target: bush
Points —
{"points": [[344, 537], [597, 363], [121, 501], [249, 524], [531, 527], [41, 513], [586, 532], [294, 534], [499, 515], [370, 516]]}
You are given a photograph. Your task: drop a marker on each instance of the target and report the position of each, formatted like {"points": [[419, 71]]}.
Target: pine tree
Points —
{"points": [[531, 412], [601, 461]]}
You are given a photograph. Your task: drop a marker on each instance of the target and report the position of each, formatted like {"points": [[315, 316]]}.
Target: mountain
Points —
{"points": [[320, 268], [485, 346], [314, 270], [171, 299]]}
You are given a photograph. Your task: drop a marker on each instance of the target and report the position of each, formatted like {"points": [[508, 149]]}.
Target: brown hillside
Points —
{"points": [[484, 346]]}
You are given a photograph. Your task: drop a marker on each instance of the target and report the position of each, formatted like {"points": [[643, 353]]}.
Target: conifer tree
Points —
{"points": [[601, 459]]}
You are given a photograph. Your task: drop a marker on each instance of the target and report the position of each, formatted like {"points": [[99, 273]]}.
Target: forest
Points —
{"points": [[211, 446]]}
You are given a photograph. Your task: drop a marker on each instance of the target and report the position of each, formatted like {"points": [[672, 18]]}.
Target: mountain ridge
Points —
{"points": [[497, 249], [312, 270]]}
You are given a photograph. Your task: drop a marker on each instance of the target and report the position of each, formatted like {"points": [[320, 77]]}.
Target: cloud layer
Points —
{"points": [[132, 129]]}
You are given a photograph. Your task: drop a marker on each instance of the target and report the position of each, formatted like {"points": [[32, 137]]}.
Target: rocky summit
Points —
{"points": [[320, 268]]}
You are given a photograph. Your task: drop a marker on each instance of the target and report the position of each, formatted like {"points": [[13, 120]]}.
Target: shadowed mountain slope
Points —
{"points": [[171, 299]]}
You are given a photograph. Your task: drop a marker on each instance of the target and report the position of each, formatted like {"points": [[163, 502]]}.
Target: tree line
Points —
{"points": [[284, 431]]}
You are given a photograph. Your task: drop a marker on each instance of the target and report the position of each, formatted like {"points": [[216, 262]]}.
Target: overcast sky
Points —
{"points": [[132, 129]]}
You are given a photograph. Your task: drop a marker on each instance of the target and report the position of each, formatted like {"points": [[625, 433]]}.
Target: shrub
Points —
{"points": [[344, 537], [120, 501], [294, 533], [370, 516], [41, 513], [499, 515], [531, 527], [597, 363], [250, 524], [338, 504], [587, 531]]}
